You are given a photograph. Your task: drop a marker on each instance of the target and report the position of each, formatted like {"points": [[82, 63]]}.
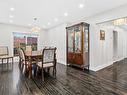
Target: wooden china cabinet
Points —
{"points": [[78, 45]]}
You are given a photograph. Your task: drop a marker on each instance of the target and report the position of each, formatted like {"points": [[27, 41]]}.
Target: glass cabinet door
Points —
{"points": [[86, 37], [77, 40], [70, 40]]}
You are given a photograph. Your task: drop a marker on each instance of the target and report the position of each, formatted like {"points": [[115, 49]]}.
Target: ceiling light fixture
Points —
{"points": [[29, 24], [35, 28], [11, 16], [122, 21], [81, 6], [12, 9], [56, 19], [65, 14], [49, 23]]}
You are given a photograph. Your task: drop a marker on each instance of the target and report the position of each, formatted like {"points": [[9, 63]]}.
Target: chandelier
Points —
{"points": [[122, 21], [35, 28]]}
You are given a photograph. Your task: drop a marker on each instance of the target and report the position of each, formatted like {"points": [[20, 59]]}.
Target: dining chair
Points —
{"points": [[23, 61], [4, 54], [48, 61]]}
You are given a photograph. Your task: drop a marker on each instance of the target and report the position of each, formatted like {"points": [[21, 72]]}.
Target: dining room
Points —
{"points": [[63, 47]]}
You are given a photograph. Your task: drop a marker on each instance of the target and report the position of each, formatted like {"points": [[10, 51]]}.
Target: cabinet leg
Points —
{"points": [[88, 67]]}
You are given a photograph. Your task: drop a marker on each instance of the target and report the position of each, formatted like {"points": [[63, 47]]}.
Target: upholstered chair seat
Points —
{"points": [[45, 65]]}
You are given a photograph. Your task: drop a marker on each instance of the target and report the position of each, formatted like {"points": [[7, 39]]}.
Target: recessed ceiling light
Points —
{"points": [[12, 9], [49, 23], [81, 6], [29, 24], [56, 19], [11, 16], [11, 21], [65, 14]]}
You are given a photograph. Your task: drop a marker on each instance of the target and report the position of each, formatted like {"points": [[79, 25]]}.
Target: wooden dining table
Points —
{"points": [[32, 56]]}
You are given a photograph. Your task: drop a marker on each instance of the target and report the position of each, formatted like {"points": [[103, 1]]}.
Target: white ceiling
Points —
{"points": [[47, 10]]}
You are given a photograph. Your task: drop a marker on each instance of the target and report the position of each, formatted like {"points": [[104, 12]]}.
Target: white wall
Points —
{"points": [[42, 39], [57, 37], [6, 36], [101, 52]]}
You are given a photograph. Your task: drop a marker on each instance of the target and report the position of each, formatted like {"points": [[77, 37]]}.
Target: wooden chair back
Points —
{"points": [[49, 55], [21, 54], [29, 48]]}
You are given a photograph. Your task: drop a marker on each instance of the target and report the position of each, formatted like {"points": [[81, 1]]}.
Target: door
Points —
{"points": [[70, 45]]}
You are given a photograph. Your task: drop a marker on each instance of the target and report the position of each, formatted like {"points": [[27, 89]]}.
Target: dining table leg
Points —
{"points": [[30, 67]]}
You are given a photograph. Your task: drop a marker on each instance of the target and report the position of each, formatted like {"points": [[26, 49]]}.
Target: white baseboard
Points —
{"points": [[61, 62], [119, 59], [101, 66], [105, 65]]}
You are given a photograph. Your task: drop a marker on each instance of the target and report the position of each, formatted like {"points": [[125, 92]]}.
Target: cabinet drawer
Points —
{"points": [[75, 58], [71, 57], [78, 59]]}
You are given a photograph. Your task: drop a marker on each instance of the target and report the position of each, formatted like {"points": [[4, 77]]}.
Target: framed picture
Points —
{"points": [[102, 35]]}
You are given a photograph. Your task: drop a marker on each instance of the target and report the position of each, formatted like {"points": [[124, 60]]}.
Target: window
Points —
{"points": [[21, 40]]}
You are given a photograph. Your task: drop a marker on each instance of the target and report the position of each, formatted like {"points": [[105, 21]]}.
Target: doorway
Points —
{"points": [[115, 46]]}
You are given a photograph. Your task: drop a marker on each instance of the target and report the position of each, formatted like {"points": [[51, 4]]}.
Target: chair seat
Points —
{"points": [[45, 65], [6, 57]]}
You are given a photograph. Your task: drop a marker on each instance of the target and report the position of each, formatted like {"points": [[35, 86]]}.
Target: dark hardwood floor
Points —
{"points": [[69, 81], [116, 73]]}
